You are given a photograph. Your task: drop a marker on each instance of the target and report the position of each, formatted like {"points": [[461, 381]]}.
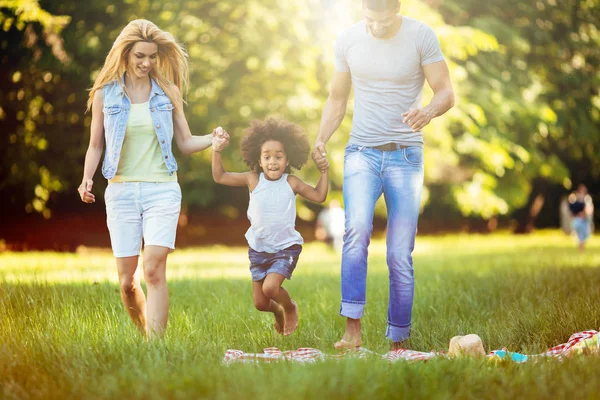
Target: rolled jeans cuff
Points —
{"points": [[352, 310], [397, 333]]}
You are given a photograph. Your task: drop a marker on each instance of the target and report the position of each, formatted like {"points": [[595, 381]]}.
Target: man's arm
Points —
{"points": [[334, 111], [438, 78]]}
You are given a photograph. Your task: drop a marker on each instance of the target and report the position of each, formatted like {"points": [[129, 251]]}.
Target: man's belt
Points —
{"points": [[389, 147]]}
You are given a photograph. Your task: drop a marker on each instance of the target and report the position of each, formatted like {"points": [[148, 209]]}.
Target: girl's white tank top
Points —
{"points": [[272, 215]]}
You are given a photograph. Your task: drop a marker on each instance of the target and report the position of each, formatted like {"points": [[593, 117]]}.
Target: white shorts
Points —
{"points": [[142, 209]]}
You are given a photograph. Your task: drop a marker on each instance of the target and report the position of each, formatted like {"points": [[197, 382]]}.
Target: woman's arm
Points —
{"points": [[94, 151], [186, 142], [317, 194]]}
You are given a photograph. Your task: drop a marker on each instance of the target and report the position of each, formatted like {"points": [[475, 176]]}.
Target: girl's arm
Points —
{"points": [[227, 178], [317, 194], [94, 151]]}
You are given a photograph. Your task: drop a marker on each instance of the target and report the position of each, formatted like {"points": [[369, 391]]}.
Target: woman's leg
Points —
{"points": [[157, 307], [131, 291], [272, 289], [265, 304], [125, 226], [160, 203]]}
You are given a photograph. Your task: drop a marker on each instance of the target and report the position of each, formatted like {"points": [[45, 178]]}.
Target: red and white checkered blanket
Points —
{"points": [[310, 355]]}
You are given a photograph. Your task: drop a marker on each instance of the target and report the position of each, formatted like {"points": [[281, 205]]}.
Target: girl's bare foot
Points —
{"points": [[279, 320], [291, 320]]}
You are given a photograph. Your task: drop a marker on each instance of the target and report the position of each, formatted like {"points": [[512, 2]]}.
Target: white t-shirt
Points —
{"points": [[388, 79]]}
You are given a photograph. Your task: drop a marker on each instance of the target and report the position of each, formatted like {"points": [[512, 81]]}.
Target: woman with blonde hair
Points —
{"points": [[137, 105]]}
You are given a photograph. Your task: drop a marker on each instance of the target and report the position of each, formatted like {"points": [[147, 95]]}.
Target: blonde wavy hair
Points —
{"points": [[171, 72]]}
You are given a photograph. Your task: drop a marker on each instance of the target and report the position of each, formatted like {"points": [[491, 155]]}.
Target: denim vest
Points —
{"points": [[116, 112]]}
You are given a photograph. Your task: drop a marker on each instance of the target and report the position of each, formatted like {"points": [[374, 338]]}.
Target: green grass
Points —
{"points": [[65, 334]]}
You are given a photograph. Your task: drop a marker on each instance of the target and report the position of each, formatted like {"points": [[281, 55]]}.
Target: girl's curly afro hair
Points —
{"points": [[294, 140]]}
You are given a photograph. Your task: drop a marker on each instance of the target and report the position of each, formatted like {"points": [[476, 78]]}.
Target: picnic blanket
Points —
{"points": [[586, 342]]}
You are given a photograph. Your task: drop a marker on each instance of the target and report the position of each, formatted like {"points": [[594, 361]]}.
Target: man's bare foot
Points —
{"points": [[398, 345], [352, 337], [291, 320], [279, 320], [347, 344]]}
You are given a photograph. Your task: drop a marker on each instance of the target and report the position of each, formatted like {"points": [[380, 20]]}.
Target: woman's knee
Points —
{"points": [[154, 269], [154, 274], [128, 285]]}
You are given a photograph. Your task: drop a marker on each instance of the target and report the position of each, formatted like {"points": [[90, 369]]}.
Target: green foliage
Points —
{"points": [[525, 75], [538, 112]]}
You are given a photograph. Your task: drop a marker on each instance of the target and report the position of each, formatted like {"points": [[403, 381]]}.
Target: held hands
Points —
{"points": [[85, 191], [220, 139], [417, 118], [319, 156]]}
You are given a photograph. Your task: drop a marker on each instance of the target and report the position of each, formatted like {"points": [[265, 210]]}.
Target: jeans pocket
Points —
{"points": [[353, 148], [413, 155]]}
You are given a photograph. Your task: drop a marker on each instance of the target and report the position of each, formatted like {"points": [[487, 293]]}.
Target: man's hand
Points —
{"points": [[319, 156], [220, 139], [417, 118], [85, 191]]}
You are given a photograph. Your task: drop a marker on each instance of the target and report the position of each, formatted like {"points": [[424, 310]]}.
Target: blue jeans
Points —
{"points": [[582, 228], [397, 174]]}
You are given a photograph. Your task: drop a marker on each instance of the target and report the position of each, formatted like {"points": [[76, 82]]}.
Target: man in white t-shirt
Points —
{"points": [[387, 57]]}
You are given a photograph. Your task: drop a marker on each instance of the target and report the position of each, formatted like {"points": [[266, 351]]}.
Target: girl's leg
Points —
{"points": [[265, 304], [272, 289], [131, 291], [157, 308]]}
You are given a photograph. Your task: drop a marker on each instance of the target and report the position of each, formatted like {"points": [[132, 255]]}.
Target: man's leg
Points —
{"points": [[362, 188], [402, 187]]}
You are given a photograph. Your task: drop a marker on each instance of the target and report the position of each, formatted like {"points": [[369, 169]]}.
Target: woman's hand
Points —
{"points": [[220, 139], [85, 191]]}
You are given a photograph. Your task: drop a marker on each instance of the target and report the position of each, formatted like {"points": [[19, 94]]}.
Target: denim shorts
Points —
{"points": [[136, 210], [283, 262]]}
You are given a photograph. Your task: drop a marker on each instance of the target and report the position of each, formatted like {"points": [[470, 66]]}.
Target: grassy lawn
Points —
{"points": [[64, 332]]}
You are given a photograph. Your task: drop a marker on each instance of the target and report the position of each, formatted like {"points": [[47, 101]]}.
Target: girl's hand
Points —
{"points": [[85, 191], [220, 139]]}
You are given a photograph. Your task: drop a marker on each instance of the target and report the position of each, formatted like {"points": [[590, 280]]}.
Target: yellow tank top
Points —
{"points": [[141, 158]]}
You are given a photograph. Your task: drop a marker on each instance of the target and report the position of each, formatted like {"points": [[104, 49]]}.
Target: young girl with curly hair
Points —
{"points": [[270, 149]]}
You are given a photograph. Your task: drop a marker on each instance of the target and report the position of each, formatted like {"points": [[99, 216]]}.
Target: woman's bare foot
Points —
{"points": [[279, 320], [291, 320]]}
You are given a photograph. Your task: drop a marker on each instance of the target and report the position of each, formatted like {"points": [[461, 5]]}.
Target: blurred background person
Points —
{"points": [[582, 209], [565, 216], [330, 225]]}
